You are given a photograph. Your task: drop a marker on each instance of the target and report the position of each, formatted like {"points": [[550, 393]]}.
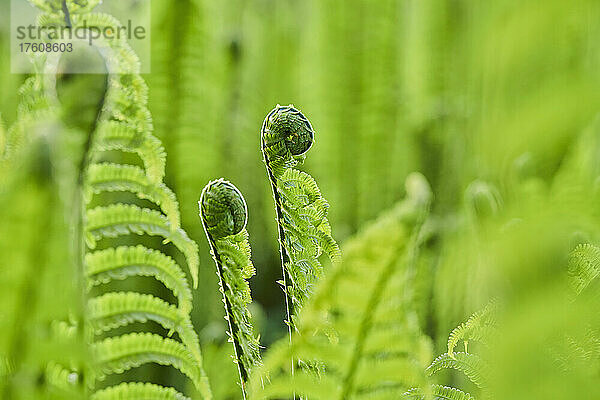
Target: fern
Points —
{"points": [[439, 393], [135, 391], [224, 213], [304, 232], [124, 124], [358, 335], [119, 263], [478, 327], [584, 266], [123, 219], [114, 178], [470, 364]]}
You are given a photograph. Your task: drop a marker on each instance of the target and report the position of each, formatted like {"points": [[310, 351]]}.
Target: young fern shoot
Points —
{"points": [[224, 215], [304, 231]]}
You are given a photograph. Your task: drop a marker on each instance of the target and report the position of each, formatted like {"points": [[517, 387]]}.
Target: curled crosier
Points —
{"points": [[223, 209], [286, 132]]}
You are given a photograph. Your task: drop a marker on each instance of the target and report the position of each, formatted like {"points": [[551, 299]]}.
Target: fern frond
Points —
{"points": [[358, 308], [121, 122], [439, 393], [137, 391], [119, 354], [119, 263], [304, 232], [74, 6], [224, 215], [584, 266], [478, 327], [115, 135], [123, 219], [113, 310], [469, 364], [109, 177]]}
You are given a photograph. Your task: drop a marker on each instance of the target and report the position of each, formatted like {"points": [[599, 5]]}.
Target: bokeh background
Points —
{"points": [[460, 90]]}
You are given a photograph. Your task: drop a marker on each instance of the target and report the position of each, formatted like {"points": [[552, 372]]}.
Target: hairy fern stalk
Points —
{"points": [[124, 124], [224, 215], [304, 231]]}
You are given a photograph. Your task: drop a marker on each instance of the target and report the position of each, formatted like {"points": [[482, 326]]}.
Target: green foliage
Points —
{"points": [[478, 327], [122, 123], [102, 266], [439, 393], [366, 345], [494, 102], [133, 391], [470, 364], [584, 266], [304, 231], [224, 215]]}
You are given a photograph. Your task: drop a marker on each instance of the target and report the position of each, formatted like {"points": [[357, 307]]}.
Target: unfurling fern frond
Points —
{"points": [[304, 232], [124, 124], [358, 335], [224, 214], [584, 266]]}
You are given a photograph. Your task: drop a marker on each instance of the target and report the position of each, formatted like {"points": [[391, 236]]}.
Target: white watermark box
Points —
{"points": [[59, 36]]}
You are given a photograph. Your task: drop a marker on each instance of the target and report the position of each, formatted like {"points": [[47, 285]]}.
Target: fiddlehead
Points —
{"points": [[286, 135], [224, 215], [304, 231]]}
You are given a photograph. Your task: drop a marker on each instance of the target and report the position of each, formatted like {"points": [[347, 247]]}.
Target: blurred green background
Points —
{"points": [[460, 90]]}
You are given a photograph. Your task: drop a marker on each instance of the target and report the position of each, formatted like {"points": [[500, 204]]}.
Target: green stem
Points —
{"points": [[233, 328], [65, 10], [282, 251]]}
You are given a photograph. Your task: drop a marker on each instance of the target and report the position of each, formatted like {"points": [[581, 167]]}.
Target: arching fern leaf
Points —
{"points": [[124, 124]]}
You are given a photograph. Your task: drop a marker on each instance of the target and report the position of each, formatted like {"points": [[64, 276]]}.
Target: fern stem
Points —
{"points": [[65, 9], [282, 251], [79, 210], [233, 328]]}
